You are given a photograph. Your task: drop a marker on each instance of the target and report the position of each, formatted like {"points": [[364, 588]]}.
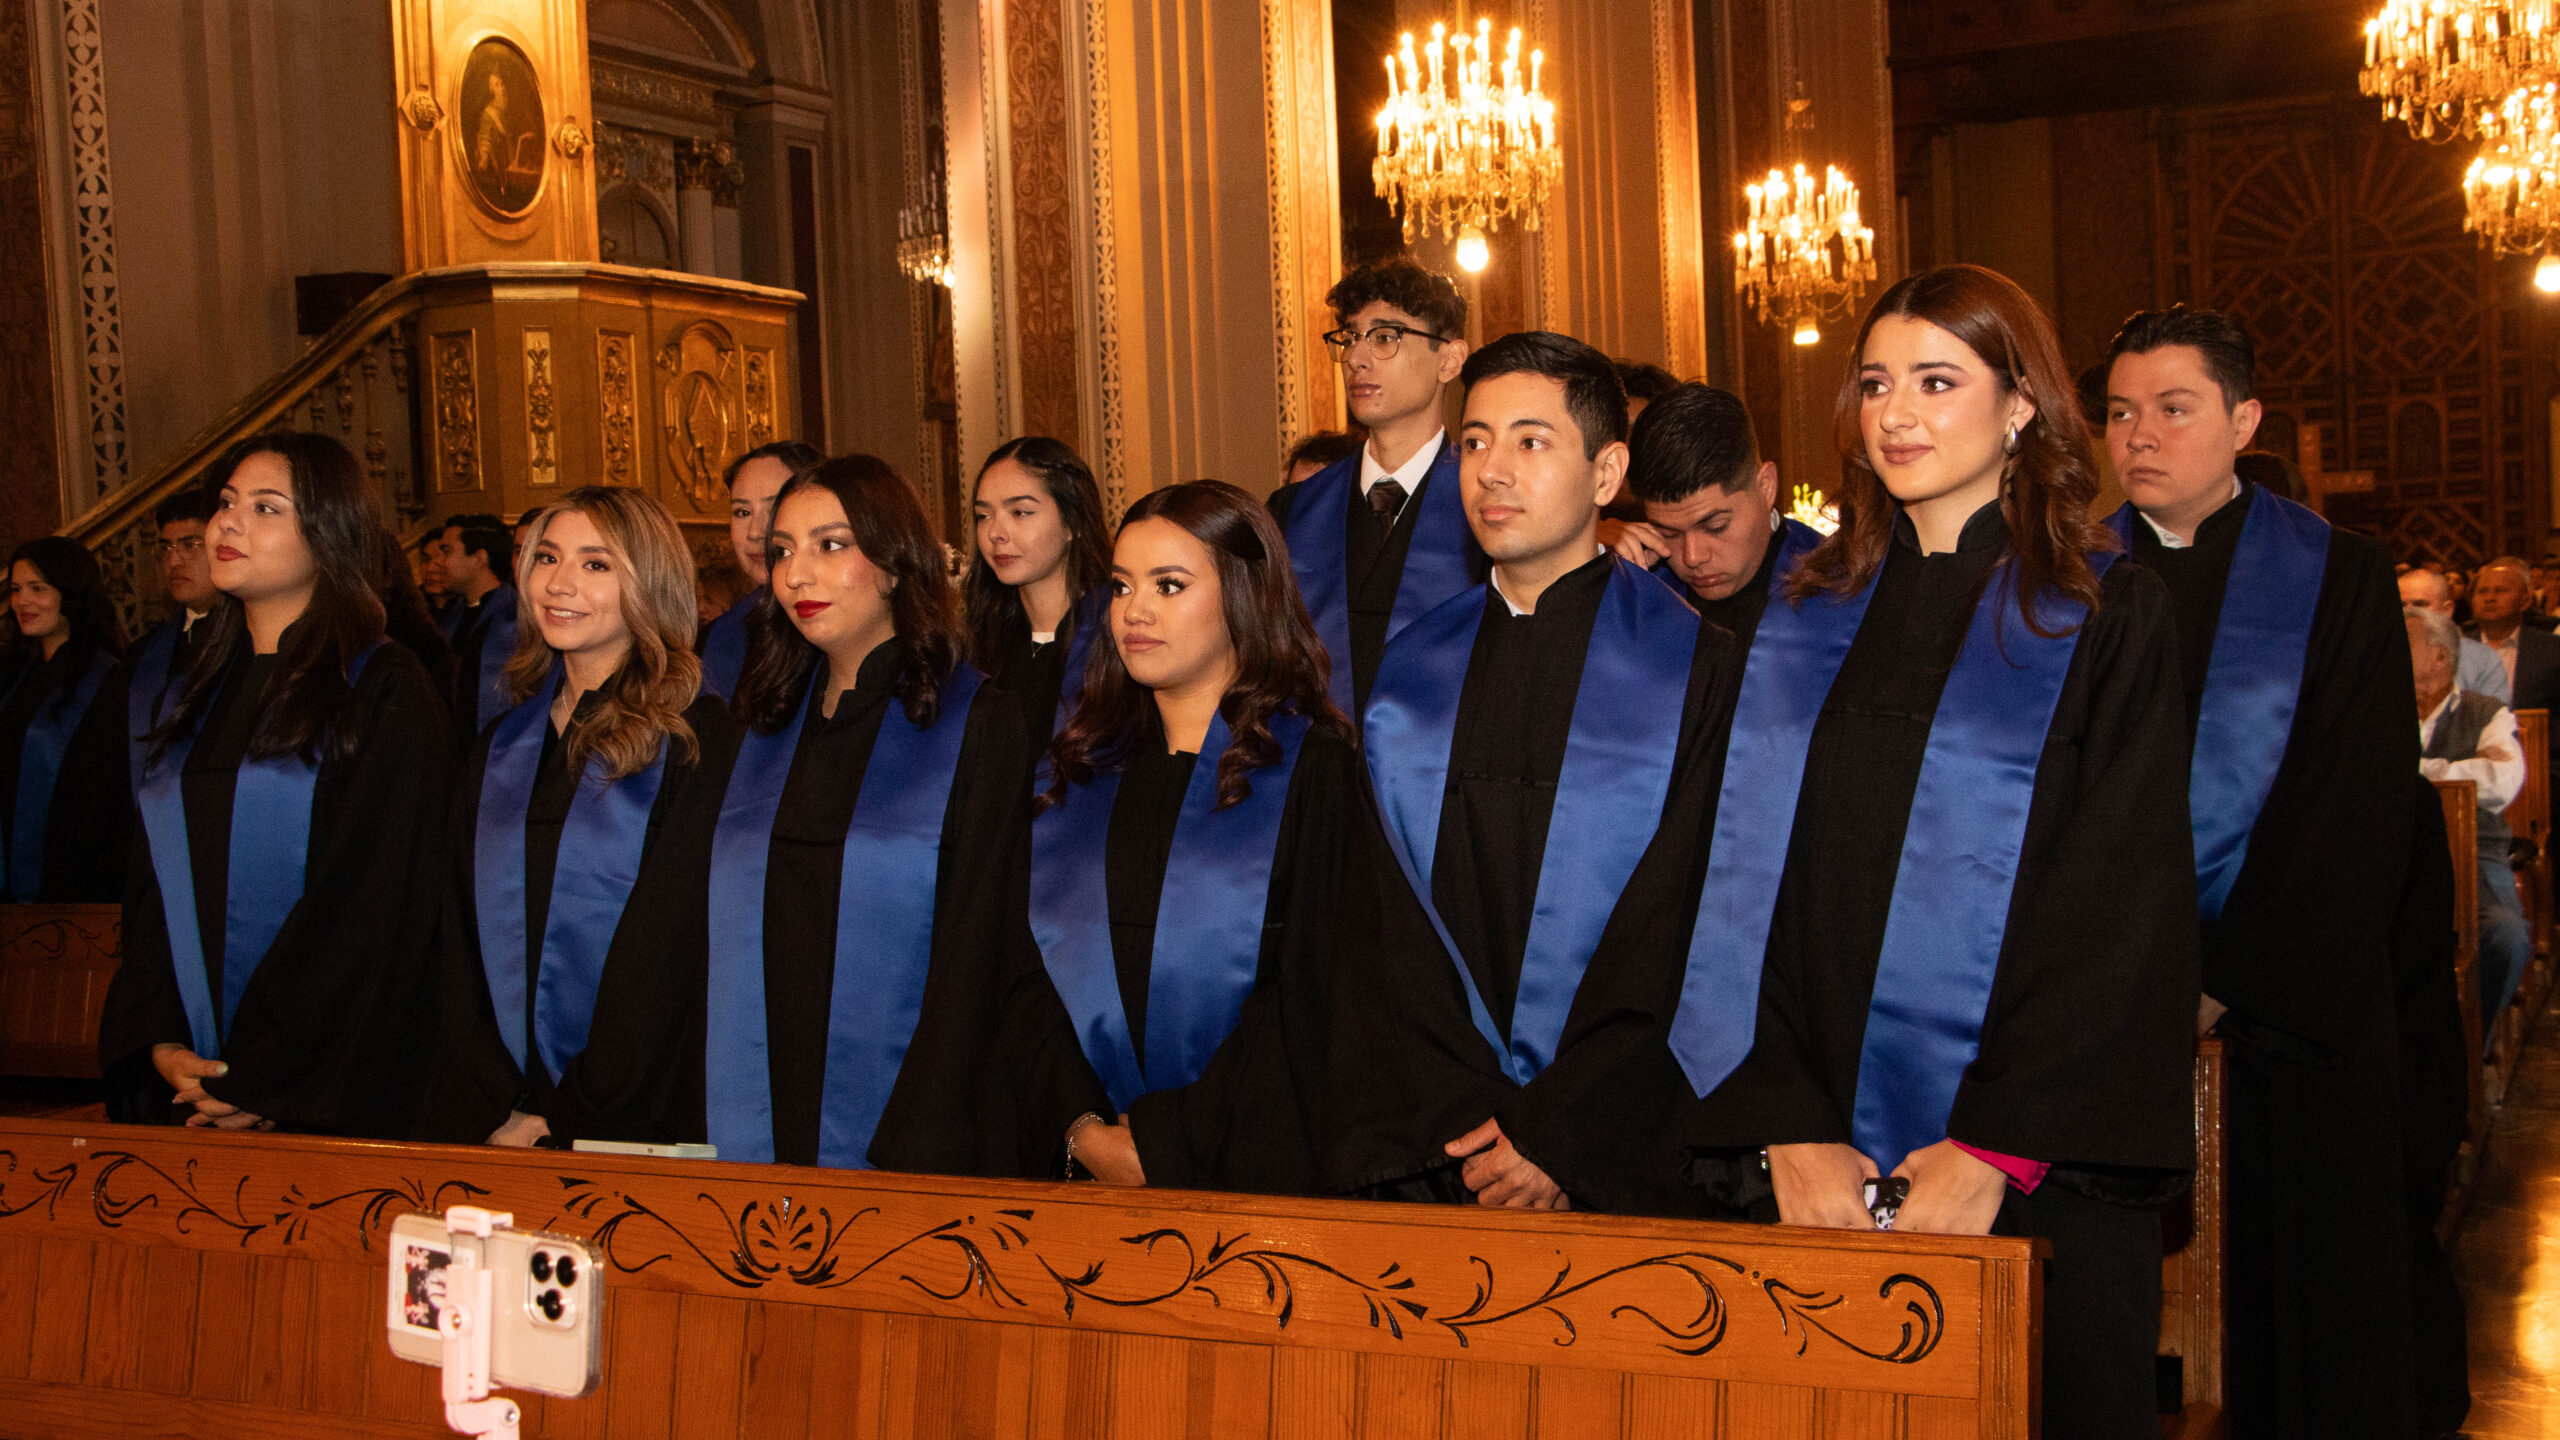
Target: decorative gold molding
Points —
{"points": [[93, 208], [617, 406], [619, 84], [759, 389], [698, 409], [542, 459], [1678, 221], [455, 373], [1109, 456], [422, 111], [569, 139], [1281, 193]]}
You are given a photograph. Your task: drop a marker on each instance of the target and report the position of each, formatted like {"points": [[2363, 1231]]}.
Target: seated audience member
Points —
{"points": [[275, 943], [2530, 656], [1185, 868], [2481, 672], [1710, 505], [2473, 737], [1316, 451], [63, 753]]}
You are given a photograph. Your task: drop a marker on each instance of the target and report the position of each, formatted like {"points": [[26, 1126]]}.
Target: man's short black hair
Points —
{"points": [[1689, 439], [1401, 281], [191, 505], [1324, 447], [2230, 357], [1592, 394], [489, 535], [1644, 380], [798, 455]]}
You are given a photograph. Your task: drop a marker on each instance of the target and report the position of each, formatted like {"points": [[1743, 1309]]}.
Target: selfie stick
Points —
{"points": [[468, 1406]]}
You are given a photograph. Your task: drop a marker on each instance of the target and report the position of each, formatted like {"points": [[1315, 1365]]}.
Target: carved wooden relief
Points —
{"points": [[541, 420], [616, 389], [699, 410], [1044, 263], [453, 366], [101, 309], [759, 397], [55, 962]]}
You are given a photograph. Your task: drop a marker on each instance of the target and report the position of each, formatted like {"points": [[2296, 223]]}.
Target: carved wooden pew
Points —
{"points": [[2530, 818], [180, 1282], [2191, 1234], [2462, 830], [55, 962]]}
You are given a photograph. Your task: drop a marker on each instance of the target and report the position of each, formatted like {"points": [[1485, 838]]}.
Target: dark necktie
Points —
{"points": [[1386, 501]]}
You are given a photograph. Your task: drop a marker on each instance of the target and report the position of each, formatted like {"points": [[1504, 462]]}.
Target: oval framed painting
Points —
{"points": [[502, 134]]}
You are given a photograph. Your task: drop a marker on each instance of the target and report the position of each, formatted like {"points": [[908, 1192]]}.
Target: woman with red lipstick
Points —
{"points": [[1035, 598], [66, 793], [564, 868], [1975, 973], [276, 935], [1206, 751], [866, 834]]}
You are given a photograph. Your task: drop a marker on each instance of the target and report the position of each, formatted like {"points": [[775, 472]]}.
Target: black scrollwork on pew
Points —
{"points": [[1924, 1320], [47, 1190], [291, 1217]]}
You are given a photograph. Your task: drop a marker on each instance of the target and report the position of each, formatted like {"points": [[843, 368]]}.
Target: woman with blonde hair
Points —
{"points": [[556, 826]]}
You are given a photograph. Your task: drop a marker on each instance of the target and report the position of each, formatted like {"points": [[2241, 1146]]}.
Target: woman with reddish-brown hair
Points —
{"points": [[1946, 949], [1185, 867]]}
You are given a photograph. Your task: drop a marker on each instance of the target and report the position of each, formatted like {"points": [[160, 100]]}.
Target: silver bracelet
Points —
{"points": [[1072, 1126]]}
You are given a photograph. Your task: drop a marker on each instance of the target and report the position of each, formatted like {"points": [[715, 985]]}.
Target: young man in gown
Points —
{"points": [[2295, 667], [1544, 749], [1379, 538], [1711, 519]]}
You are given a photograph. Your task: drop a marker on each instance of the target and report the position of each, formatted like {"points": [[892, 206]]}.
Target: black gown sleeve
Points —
{"points": [[473, 1082], [1249, 1121], [89, 826]]}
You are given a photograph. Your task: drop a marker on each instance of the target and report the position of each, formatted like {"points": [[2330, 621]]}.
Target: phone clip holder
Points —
{"points": [[464, 1324]]}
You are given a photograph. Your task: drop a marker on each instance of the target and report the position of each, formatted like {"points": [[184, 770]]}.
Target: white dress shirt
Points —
{"points": [[2498, 765], [1409, 474], [2172, 542]]}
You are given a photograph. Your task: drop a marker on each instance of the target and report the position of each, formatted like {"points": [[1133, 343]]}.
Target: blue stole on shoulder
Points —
{"points": [[147, 683], [1092, 617], [1435, 565], [40, 754], [1959, 865], [270, 847], [884, 928], [497, 646], [1609, 795], [599, 861], [1208, 939], [2252, 683], [724, 647]]}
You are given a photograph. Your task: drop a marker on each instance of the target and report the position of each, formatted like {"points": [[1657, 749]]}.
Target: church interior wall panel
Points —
{"points": [[870, 362], [30, 495], [1044, 272]]}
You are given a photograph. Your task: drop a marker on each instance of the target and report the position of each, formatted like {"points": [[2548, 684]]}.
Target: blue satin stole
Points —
{"points": [[884, 928], [1610, 793], [1092, 616], [40, 754], [1208, 939], [270, 847], [497, 647], [724, 647], [1959, 866], [601, 843], [2252, 683], [147, 685], [1435, 565]]}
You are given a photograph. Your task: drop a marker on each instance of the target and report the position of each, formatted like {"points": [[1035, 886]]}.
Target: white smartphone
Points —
{"points": [[690, 1151], [547, 1291]]}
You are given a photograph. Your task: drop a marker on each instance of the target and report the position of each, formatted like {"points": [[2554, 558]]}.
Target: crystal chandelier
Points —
{"points": [[1810, 509], [2511, 193], [2446, 67], [1462, 146], [1804, 255], [924, 239]]}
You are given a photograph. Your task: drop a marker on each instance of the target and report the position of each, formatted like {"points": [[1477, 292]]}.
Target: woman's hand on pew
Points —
{"points": [[1822, 1185], [521, 1130], [1109, 1151], [1501, 1175], [184, 1069], [1952, 1192], [230, 1117]]}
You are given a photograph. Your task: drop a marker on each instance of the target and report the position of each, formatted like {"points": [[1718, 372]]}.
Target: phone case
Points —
{"points": [[546, 1292]]}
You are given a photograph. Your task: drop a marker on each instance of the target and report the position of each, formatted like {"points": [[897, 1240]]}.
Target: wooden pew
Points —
{"points": [[2530, 818], [2191, 1263], [55, 962], [2462, 829], [172, 1282]]}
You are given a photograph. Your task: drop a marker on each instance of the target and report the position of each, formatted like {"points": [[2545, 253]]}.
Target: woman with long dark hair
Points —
{"points": [[866, 833], [276, 942], [69, 791], [1186, 864], [1975, 972], [1035, 597], [559, 827]]}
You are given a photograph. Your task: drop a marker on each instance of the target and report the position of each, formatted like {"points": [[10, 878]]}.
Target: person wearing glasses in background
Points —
{"points": [[1380, 538]]}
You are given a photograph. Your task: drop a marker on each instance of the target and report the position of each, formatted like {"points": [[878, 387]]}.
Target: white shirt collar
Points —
{"points": [[1409, 474], [1495, 579], [2172, 542]]}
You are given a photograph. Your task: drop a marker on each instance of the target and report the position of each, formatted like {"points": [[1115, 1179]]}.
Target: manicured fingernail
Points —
{"points": [[225, 1070]]}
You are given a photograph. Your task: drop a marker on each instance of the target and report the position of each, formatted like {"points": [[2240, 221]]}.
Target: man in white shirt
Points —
{"points": [[2481, 671], [2471, 737]]}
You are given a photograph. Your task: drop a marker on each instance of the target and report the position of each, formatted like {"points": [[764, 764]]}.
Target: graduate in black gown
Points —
{"points": [[1380, 538], [1711, 521], [752, 480], [1543, 751], [186, 573], [561, 812], [291, 862], [1951, 859], [2294, 660], [66, 823], [475, 557], [863, 844], [1186, 868], [1035, 597]]}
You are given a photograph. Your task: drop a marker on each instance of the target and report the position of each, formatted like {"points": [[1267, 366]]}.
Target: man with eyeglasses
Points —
{"points": [[1380, 538], [186, 571]]}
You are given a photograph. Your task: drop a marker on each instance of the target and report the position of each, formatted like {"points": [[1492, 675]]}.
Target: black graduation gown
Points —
{"points": [[2434, 1098], [1034, 674], [1408, 1071], [1376, 563], [89, 823], [1739, 613], [649, 1011], [332, 1030], [2318, 1242], [1249, 1121], [477, 1080], [462, 694]]}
